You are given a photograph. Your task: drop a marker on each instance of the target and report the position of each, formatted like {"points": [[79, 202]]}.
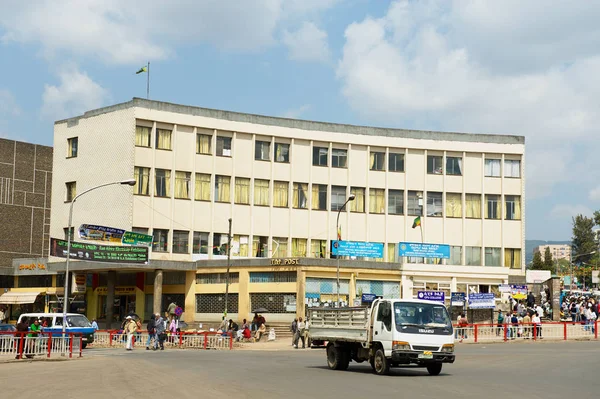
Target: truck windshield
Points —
{"points": [[422, 315]]}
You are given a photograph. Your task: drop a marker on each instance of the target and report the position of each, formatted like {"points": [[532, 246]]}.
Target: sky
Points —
{"points": [[476, 66]]}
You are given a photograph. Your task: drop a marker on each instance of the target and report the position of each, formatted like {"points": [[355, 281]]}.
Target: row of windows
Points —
{"points": [[260, 194], [320, 156]]}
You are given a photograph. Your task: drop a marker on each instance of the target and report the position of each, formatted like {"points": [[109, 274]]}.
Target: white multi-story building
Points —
{"points": [[282, 182]]}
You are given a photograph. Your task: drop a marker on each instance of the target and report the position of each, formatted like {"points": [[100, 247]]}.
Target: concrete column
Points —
{"points": [[352, 289], [555, 295], [158, 283], [110, 297], [300, 291], [244, 311], [139, 304], [190, 296]]}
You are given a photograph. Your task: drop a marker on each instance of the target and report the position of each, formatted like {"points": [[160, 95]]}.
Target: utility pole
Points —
{"points": [[228, 266]]}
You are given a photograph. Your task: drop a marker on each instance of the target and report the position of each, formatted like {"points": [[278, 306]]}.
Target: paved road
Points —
{"points": [[523, 371]]}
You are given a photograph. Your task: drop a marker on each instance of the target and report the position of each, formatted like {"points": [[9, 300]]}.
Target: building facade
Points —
{"points": [[282, 182], [560, 251]]}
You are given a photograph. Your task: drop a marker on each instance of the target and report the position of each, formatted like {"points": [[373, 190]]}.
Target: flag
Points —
{"points": [[142, 69], [339, 233], [417, 222]]}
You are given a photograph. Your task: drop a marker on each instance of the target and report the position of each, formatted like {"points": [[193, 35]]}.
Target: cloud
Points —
{"points": [[8, 104], [308, 43], [427, 65], [562, 211], [595, 194], [296, 113], [133, 31], [75, 94]]}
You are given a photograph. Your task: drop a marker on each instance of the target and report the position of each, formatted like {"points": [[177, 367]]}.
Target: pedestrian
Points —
{"points": [[537, 325], [22, 328], [94, 324], [159, 328], [172, 330], [129, 329], [150, 327], [500, 323], [2, 315], [171, 310], [514, 321], [306, 331], [526, 325], [293, 329], [254, 325], [463, 323], [35, 330], [299, 333]]}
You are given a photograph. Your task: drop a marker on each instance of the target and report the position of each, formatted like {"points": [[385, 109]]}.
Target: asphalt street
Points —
{"points": [[527, 371]]}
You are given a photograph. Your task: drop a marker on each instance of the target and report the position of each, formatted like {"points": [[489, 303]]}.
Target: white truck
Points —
{"points": [[391, 333]]}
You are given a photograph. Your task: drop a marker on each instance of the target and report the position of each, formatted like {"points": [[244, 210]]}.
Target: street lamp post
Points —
{"points": [[572, 264], [337, 226], [128, 182]]}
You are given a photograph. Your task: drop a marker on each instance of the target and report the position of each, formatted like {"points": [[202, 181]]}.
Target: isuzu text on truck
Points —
{"points": [[391, 333]]}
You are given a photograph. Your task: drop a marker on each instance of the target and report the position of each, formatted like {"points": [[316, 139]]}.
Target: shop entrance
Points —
{"points": [[122, 306]]}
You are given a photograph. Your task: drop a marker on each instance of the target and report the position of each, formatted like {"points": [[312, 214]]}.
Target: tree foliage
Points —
{"points": [[583, 238], [537, 263], [548, 261]]}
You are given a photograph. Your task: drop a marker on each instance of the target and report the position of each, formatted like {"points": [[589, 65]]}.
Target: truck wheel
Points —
{"points": [[380, 364], [434, 368], [336, 358]]}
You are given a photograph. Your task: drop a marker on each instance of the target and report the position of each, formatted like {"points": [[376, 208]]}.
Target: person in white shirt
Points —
{"points": [[300, 333], [537, 322], [539, 311]]}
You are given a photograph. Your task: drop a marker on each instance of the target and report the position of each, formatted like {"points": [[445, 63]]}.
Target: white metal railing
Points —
{"points": [[21, 345]]}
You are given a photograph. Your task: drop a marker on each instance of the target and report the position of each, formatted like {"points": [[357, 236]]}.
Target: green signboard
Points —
{"points": [[99, 253], [131, 238]]}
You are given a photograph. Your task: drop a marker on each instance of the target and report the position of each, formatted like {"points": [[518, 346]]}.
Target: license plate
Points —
{"points": [[425, 355]]}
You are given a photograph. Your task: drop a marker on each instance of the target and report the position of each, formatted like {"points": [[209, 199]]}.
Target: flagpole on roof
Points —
{"points": [[148, 83]]}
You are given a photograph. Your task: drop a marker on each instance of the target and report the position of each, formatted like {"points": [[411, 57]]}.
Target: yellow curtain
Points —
{"points": [[242, 190], [495, 205], [376, 200], [372, 160], [453, 205], [358, 205], [299, 247], [280, 193], [142, 136], [512, 258], [182, 185], [224, 189], [315, 196], [261, 192], [243, 246], [473, 206], [255, 243], [391, 254], [141, 180], [279, 247], [202, 189], [517, 207], [300, 201], [163, 141], [315, 249], [203, 144]]}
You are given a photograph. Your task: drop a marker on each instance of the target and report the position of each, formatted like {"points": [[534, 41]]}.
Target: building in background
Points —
{"points": [[559, 251], [282, 182]]}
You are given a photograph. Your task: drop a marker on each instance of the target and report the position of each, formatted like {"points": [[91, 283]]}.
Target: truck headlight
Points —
{"points": [[448, 348], [400, 346]]}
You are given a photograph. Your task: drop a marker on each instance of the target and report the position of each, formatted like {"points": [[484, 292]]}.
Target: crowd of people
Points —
{"points": [[256, 329], [580, 308], [299, 330]]}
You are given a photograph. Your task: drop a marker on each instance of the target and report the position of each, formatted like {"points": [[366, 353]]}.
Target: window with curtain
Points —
{"points": [[262, 150], [142, 136], [282, 152], [72, 145], [260, 247], [280, 193], [473, 256], [492, 206], [200, 244], [492, 256], [339, 158], [512, 258], [513, 207], [473, 206], [358, 205], [181, 241], [455, 256], [163, 139], [377, 161], [434, 164], [202, 188], [162, 183], [299, 247], [318, 248], [219, 246], [223, 146], [453, 205], [242, 191], [203, 143], [300, 195], [414, 206], [71, 190], [512, 168], [376, 200], [395, 162], [261, 192], [319, 197], [454, 166], [142, 180], [391, 252], [240, 246], [160, 240], [280, 247], [492, 168], [320, 156], [338, 197], [435, 206], [182, 184], [396, 202], [222, 188]]}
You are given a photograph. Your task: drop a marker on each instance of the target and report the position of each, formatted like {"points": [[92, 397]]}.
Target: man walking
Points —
{"points": [[171, 311], [159, 328], [129, 328], [151, 332], [294, 328], [299, 333]]}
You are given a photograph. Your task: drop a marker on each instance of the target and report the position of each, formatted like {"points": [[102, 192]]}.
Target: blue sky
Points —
{"points": [[471, 66]]}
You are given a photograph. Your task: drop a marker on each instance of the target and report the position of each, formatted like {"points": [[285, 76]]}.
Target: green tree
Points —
{"points": [[537, 263], [583, 242], [564, 267], [548, 261]]}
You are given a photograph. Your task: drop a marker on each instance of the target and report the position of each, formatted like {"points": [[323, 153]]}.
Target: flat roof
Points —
{"points": [[300, 123]]}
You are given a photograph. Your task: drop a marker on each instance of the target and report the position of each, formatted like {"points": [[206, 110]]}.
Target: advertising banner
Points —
{"points": [[358, 248], [504, 288], [419, 250], [436, 296], [93, 232], [78, 283], [131, 238], [99, 253], [518, 291], [368, 298], [482, 301], [537, 276], [457, 299]]}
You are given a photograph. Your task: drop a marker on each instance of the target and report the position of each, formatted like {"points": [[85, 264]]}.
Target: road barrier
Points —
{"points": [[19, 345], [556, 331], [191, 340]]}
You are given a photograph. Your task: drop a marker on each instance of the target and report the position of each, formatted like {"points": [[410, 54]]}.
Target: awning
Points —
{"points": [[16, 298]]}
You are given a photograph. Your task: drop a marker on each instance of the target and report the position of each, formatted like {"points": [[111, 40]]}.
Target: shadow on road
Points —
{"points": [[394, 372]]}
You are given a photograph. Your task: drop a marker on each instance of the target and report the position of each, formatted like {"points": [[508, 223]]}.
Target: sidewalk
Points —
{"points": [[277, 345]]}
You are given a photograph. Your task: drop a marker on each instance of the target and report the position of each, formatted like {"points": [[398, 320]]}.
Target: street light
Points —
{"points": [[337, 225], [576, 256], [128, 182]]}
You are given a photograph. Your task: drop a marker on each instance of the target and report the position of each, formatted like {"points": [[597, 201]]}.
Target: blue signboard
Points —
{"points": [[482, 301], [436, 296], [358, 248], [419, 250], [458, 299], [368, 298]]}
